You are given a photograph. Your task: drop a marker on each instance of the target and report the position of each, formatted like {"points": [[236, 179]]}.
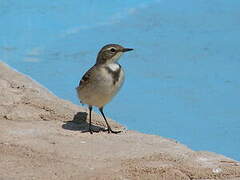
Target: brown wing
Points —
{"points": [[86, 77]]}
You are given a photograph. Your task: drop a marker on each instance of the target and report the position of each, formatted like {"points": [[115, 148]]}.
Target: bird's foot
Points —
{"points": [[114, 132], [109, 130], [93, 130]]}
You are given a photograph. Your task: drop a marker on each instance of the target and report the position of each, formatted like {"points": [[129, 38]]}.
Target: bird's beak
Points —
{"points": [[127, 49]]}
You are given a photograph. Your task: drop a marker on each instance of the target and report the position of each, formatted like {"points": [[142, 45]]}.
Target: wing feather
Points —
{"points": [[86, 77]]}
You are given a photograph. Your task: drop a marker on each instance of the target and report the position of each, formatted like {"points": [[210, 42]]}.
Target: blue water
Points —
{"points": [[182, 79]]}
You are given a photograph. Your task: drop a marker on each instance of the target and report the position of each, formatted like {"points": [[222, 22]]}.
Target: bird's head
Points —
{"points": [[111, 53]]}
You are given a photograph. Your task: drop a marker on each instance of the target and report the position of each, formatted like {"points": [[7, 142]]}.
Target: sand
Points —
{"points": [[45, 137]]}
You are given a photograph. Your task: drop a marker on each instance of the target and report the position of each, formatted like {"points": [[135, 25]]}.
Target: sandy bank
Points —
{"points": [[44, 137]]}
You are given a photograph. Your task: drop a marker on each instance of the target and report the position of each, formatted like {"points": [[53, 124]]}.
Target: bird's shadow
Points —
{"points": [[79, 123]]}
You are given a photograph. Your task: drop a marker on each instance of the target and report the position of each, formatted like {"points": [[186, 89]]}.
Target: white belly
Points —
{"points": [[101, 90]]}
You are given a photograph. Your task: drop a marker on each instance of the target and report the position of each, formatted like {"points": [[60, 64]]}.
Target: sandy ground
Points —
{"points": [[44, 137]]}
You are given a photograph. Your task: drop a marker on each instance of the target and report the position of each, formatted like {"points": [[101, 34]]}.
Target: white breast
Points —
{"points": [[103, 89], [114, 66]]}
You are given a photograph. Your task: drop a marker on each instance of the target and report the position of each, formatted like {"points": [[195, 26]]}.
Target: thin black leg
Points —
{"points": [[90, 119], [109, 128]]}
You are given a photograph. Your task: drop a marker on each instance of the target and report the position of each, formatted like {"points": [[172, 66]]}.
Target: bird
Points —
{"points": [[102, 81]]}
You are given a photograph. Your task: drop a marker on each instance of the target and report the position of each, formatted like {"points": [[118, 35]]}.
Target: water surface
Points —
{"points": [[182, 80]]}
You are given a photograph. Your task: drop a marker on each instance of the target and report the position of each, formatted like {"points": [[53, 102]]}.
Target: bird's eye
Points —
{"points": [[113, 50]]}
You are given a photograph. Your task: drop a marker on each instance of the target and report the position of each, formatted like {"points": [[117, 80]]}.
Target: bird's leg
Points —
{"points": [[109, 128], [90, 118]]}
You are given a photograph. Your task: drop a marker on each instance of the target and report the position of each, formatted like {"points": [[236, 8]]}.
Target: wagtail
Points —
{"points": [[102, 81]]}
